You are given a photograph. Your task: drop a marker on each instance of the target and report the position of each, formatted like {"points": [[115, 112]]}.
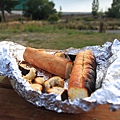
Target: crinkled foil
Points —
{"points": [[107, 82]]}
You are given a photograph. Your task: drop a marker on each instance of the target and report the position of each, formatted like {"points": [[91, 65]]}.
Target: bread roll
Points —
{"points": [[60, 91], [24, 70], [83, 75], [36, 87], [39, 80], [60, 54], [48, 62], [31, 75], [54, 81], [55, 90]]}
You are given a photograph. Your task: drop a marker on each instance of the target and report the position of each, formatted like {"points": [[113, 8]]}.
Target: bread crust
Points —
{"points": [[83, 75], [59, 91], [56, 90], [48, 62], [36, 87], [39, 80], [54, 81]]}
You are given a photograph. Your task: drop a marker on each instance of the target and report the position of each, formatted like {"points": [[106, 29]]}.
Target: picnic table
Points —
{"points": [[14, 107]]}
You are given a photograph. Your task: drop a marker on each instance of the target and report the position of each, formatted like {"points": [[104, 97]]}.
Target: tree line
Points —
{"points": [[113, 11], [45, 9], [32, 9]]}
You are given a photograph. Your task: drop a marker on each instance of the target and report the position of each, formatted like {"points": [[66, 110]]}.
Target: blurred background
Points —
{"points": [[59, 24]]}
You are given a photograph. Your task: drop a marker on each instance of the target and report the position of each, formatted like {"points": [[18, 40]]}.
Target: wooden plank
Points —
{"points": [[12, 106], [1, 78], [4, 82]]}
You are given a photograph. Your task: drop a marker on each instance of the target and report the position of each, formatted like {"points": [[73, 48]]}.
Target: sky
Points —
{"points": [[80, 5]]}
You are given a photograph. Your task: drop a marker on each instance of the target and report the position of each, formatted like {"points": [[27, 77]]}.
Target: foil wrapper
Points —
{"points": [[107, 82]]}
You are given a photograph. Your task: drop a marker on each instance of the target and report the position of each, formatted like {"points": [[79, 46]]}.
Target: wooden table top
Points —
{"points": [[14, 107]]}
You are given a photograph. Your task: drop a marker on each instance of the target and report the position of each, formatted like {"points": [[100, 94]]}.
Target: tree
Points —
{"points": [[60, 12], [95, 7], [114, 11], [38, 9], [7, 5]]}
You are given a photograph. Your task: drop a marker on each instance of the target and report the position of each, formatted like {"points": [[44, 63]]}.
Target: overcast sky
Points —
{"points": [[80, 5]]}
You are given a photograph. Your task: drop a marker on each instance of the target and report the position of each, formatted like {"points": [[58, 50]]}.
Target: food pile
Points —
{"points": [[57, 68], [70, 81]]}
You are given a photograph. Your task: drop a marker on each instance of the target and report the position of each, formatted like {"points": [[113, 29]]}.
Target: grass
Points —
{"points": [[44, 35]]}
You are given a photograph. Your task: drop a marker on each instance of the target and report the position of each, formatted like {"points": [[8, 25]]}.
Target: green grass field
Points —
{"points": [[43, 35]]}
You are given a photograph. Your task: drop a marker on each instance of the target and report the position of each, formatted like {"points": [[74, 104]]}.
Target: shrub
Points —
{"points": [[53, 18]]}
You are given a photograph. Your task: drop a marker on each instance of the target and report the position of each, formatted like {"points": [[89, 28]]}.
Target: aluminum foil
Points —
{"points": [[107, 82]]}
